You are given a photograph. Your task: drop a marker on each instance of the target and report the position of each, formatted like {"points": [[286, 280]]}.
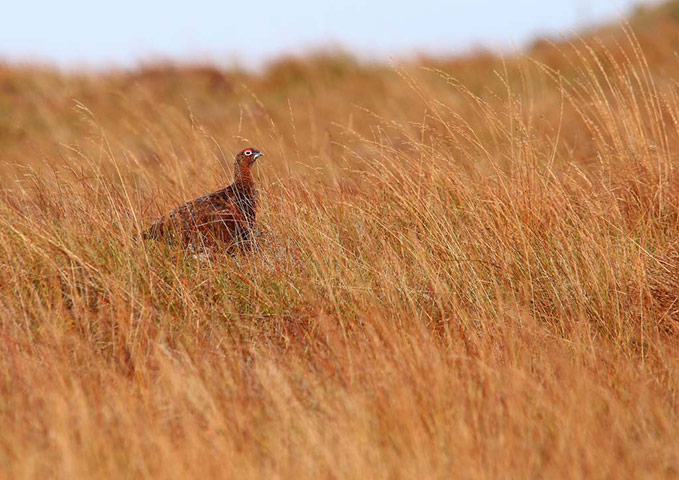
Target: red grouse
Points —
{"points": [[225, 217]]}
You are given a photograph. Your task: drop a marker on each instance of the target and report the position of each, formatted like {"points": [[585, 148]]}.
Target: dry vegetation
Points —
{"points": [[469, 268]]}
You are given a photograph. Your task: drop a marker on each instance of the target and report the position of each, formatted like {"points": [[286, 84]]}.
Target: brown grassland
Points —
{"points": [[468, 267]]}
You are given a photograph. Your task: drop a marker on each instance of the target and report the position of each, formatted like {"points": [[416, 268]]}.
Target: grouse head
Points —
{"points": [[247, 157]]}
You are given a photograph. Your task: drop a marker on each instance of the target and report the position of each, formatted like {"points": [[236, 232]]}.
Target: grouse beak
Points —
{"points": [[257, 155]]}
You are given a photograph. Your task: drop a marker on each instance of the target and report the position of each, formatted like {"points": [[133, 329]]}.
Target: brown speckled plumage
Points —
{"points": [[222, 218]]}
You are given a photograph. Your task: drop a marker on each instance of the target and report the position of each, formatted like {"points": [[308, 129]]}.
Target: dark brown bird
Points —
{"points": [[225, 217]]}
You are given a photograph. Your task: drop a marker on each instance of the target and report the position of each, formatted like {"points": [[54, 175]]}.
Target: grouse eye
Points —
{"points": [[247, 153]]}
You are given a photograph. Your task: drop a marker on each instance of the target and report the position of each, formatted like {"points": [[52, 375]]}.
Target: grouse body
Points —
{"points": [[225, 217]]}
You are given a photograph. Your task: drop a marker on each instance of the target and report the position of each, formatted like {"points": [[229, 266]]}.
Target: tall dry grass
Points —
{"points": [[468, 269]]}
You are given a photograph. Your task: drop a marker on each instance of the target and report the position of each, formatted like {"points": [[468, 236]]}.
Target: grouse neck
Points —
{"points": [[243, 176]]}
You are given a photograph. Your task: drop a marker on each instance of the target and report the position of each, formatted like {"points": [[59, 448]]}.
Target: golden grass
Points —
{"points": [[469, 269]]}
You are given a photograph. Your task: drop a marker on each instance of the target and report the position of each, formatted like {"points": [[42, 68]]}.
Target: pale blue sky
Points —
{"points": [[91, 33]]}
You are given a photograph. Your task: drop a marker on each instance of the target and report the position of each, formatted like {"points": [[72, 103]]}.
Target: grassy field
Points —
{"points": [[468, 268]]}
